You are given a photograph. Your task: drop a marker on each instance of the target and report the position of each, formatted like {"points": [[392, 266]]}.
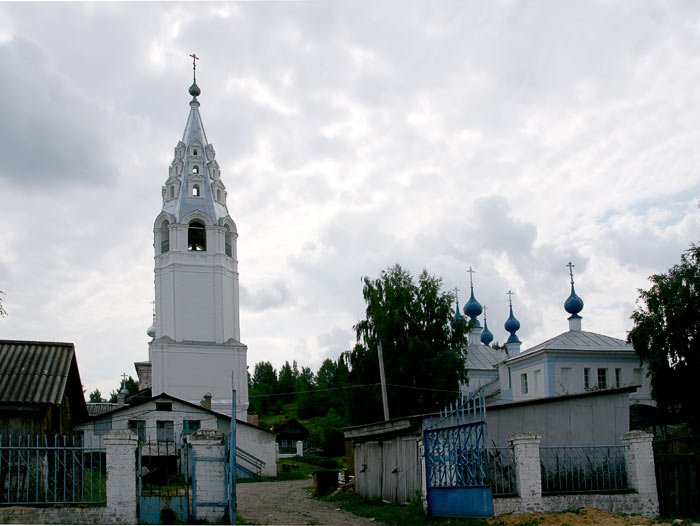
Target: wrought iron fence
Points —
{"points": [[501, 470], [583, 469], [51, 470]]}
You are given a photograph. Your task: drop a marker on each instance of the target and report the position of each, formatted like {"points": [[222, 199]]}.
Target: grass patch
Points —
{"points": [[409, 515]]}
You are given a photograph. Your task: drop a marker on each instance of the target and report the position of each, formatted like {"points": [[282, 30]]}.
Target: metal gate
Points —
{"points": [[456, 460], [164, 481]]}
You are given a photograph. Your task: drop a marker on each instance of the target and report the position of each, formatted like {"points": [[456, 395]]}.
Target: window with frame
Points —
{"points": [[586, 378], [637, 376], [602, 378], [190, 426], [566, 379], [538, 380], [165, 431], [618, 377], [523, 383], [139, 428], [102, 426]]}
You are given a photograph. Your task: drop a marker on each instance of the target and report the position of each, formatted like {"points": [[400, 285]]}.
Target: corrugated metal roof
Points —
{"points": [[99, 408], [582, 341], [34, 372], [480, 356]]}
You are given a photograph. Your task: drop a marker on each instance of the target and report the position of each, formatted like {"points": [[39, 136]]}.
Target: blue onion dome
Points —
{"points": [[472, 308], [194, 90], [511, 324], [573, 304], [458, 320], [486, 335]]}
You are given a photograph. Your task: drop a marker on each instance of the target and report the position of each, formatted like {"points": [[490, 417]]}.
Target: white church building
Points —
{"points": [[572, 362], [196, 347]]}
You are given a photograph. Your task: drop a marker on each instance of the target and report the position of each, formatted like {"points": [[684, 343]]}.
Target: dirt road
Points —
{"points": [[289, 503]]}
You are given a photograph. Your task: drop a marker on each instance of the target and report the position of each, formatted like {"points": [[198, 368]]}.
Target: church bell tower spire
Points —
{"points": [[196, 345]]}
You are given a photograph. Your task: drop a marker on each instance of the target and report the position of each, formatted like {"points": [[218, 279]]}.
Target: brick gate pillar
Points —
{"points": [[209, 498], [641, 474], [526, 451], [120, 451]]}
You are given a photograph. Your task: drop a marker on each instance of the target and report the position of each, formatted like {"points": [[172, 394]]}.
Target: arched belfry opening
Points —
{"points": [[227, 242], [197, 236], [165, 237]]}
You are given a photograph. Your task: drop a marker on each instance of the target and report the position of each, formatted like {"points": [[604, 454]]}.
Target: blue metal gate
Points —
{"points": [[164, 475], [456, 460]]}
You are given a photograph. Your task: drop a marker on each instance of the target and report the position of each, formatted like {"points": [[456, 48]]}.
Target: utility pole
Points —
{"points": [[382, 379]]}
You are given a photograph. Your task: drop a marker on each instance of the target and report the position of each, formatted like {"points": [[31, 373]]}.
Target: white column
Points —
{"points": [[526, 450], [209, 474], [120, 446], [641, 475]]}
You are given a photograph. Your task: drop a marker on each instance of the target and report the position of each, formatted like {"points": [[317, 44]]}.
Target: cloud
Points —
{"points": [[276, 295], [511, 137]]}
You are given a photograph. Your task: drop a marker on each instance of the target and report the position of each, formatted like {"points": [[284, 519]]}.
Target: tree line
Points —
{"points": [[424, 355]]}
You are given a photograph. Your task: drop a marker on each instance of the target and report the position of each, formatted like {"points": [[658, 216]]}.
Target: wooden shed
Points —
{"points": [[40, 388]]}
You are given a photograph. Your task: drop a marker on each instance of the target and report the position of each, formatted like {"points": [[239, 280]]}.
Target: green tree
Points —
{"points": [[132, 387], [423, 354], [666, 335], [96, 397], [263, 388], [305, 397], [287, 381]]}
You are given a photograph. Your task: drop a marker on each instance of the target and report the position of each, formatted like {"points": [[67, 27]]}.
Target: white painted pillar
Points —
{"points": [[209, 475], [641, 475], [526, 450], [120, 451]]}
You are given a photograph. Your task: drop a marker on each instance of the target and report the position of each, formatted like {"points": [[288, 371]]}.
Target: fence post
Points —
{"points": [[641, 475], [526, 453], [120, 447], [209, 474]]}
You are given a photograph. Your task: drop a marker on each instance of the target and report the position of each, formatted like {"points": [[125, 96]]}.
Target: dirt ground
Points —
{"points": [[583, 517], [289, 503]]}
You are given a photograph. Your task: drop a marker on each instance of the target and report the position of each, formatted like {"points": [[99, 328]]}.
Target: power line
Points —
{"points": [[313, 390]]}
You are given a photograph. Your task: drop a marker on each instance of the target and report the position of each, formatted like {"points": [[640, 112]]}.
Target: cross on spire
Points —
{"points": [[195, 58], [484, 313], [456, 295], [154, 309], [510, 297], [124, 377], [471, 273], [571, 271]]}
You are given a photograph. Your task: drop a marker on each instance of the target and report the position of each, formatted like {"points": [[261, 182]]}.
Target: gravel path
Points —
{"points": [[290, 503]]}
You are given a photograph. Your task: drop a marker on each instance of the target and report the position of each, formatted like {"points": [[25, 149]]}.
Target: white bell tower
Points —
{"points": [[196, 347]]}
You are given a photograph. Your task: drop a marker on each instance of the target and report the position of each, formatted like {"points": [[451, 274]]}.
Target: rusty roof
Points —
{"points": [[34, 372]]}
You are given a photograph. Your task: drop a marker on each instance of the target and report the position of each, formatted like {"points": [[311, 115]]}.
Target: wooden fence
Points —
{"points": [[678, 477]]}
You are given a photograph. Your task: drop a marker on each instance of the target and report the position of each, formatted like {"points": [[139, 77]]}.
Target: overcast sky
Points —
{"points": [[508, 136]]}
